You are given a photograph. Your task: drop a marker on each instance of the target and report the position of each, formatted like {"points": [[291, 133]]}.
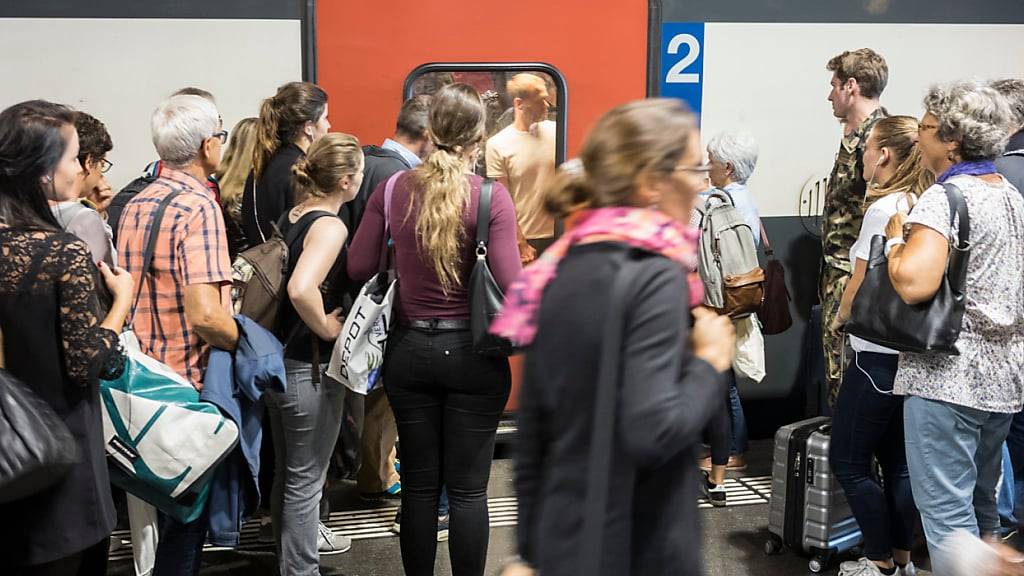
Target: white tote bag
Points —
{"points": [[358, 355], [359, 352]]}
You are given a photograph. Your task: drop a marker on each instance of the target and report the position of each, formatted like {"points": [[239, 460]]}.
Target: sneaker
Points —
{"points": [[715, 493], [114, 545], [396, 526], [908, 570], [393, 492], [329, 542], [442, 528], [442, 525], [862, 567], [266, 533]]}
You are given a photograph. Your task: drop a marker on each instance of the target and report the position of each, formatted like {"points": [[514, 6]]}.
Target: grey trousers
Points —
{"points": [[304, 422]]}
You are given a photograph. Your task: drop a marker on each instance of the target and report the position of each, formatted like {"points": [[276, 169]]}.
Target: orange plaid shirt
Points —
{"points": [[191, 249]]}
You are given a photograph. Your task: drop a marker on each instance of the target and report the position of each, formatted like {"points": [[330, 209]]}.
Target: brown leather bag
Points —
{"points": [[742, 294], [774, 313]]}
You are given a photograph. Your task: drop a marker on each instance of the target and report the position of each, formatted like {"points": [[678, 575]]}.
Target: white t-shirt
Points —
{"points": [[525, 159], [875, 219]]}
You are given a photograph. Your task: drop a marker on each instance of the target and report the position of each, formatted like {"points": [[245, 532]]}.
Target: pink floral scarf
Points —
{"points": [[638, 227]]}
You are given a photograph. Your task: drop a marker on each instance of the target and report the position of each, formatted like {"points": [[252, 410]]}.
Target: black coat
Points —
{"points": [[1012, 165], [380, 164], [666, 397]]}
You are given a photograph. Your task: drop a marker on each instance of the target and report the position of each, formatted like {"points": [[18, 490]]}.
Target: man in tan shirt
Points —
{"points": [[521, 157]]}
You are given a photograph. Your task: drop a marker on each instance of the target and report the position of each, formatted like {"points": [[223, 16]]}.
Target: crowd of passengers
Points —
{"points": [[941, 428]]}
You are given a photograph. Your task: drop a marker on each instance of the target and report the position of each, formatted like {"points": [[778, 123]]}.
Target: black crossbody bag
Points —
{"points": [[880, 316]]}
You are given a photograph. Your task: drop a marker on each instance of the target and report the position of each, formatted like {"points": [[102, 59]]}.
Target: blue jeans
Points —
{"points": [[1015, 447], [955, 456], [739, 420], [1005, 501], [867, 424], [180, 551]]}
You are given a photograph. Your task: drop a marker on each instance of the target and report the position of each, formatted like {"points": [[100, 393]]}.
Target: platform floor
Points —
{"points": [[733, 536]]}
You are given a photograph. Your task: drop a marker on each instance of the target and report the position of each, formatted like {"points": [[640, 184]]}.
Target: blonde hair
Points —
{"points": [[328, 160], [899, 135], [282, 117], [456, 126], [643, 136], [237, 163]]}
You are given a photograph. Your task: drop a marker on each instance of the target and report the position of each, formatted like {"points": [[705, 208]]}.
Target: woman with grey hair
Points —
{"points": [[958, 407], [731, 158]]}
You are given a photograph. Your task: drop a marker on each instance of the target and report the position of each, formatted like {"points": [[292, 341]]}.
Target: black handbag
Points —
{"points": [[36, 448], [485, 296], [879, 315]]}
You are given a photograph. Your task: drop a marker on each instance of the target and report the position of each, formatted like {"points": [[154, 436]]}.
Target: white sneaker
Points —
{"points": [[862, 567], [329, 542]]}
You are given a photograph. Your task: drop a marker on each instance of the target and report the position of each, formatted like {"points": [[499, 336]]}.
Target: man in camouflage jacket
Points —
{"points": [[858, 78]]}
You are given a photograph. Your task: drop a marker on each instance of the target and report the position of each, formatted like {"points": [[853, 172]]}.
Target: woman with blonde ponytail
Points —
{"points": [[868, 422], [289, 122], [306, 418], [447, 399]]}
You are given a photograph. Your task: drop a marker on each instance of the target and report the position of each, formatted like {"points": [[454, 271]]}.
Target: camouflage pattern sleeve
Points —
{"points": [[844, 198]]}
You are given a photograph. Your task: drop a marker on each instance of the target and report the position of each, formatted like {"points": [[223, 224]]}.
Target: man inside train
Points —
{"points": [[521, 156]]}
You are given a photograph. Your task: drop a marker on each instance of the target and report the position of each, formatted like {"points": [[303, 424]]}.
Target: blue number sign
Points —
{"points": [[682, 62]]}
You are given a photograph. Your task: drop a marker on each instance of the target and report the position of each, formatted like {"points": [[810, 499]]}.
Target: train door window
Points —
{"points": [[525, 129]]}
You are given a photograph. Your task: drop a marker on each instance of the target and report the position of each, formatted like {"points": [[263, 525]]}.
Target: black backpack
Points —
{"points": [[122, 198]]}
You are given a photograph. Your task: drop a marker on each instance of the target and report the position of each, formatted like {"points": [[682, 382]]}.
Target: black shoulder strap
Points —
{"points": [[958, 206], [602, 437], [147, 255], [483, 214]]}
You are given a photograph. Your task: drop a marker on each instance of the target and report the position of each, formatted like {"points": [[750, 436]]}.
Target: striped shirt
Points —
{"points": [[191, 249]]}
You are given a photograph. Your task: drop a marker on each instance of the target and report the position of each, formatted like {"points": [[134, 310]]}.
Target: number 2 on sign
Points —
{"points": [[676, 74]]}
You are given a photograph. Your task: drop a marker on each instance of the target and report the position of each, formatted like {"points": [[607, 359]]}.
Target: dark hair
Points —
{"points": [[643, 136], [412, 118], [283, 115], [864, 65], [193, 91], [31, 145], [93, 139]]}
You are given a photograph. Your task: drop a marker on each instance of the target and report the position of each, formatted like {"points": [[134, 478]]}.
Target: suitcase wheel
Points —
{"points": [[773, 545], [820, 561]]}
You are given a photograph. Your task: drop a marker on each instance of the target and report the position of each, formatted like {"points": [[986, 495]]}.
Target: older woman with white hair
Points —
{"points": [[958, 407], [732, 157]]}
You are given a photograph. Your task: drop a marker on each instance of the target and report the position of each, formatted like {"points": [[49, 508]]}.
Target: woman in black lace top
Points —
{"points": [[55, 340]]}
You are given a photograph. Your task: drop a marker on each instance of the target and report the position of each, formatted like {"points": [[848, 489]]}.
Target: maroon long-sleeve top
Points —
{"points": [[419, 291]]}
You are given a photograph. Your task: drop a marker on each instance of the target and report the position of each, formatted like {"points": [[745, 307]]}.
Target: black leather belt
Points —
{"points": [[436, 325]]}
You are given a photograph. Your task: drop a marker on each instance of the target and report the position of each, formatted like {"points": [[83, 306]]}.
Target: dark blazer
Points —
{"points": [[665, 399], [1011, 164]]}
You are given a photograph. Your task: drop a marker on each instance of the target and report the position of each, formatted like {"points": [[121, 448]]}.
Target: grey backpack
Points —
{"points": [[733, 278]]}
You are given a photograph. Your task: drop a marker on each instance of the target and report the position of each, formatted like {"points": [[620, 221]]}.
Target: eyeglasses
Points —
{"points": [[699, 169], [105, 165], [221, 135]]}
